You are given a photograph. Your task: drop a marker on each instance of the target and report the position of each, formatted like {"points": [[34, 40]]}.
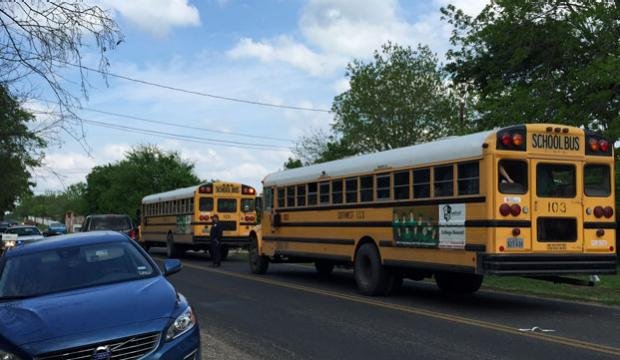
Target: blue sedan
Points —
{"points": [[92, 296]]}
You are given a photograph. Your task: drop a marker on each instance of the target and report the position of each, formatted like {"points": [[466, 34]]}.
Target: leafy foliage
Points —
{"points": [[399, 98], [540, 61], [120, 187], [20, 151], [54, 205]]}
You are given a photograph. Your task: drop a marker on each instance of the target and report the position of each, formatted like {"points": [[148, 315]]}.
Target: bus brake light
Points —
{"points": [[598, 211], [603, 145], [506, 139], [608, 212], [504, 209], [515, 209]]}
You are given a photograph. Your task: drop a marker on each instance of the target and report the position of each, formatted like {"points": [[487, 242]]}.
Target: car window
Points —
{"points": [[71, 268], [115, 223], [28, 231]]}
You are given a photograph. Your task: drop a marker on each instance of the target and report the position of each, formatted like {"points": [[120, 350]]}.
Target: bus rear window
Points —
{"points": [[555, 180], [596, 180], [512, 177], [206, 204], [226, 205], [248, 205]]}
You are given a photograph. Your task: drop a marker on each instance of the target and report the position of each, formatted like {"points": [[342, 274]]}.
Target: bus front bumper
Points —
{"points": [[544, 264]]}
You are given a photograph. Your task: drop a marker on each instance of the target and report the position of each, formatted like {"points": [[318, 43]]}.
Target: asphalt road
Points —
{"points": [[292, 313]]}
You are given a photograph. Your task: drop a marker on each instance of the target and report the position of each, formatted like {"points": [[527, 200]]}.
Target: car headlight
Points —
{"points": [[180, 326], [8, 356]]}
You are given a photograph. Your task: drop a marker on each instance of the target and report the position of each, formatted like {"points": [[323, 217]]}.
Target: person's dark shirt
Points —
{"points": [[216, 232]]}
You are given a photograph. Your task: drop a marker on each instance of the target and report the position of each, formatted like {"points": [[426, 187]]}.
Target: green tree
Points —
{"points": [[552, 61], [120, 187], [400, 98], [292, 163], [20, 151]]}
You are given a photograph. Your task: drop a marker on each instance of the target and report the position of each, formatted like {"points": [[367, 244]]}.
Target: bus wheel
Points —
{"points": [[371, 277], [458, 283], [258, 263], [171, 249], [324, 268], [224, 253]]}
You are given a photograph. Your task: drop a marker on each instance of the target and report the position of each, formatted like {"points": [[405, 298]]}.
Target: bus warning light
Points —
{"points": [[593, 144], [517, 139], [604, 145]]}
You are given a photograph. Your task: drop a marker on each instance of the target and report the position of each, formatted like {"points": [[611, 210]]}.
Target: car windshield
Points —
{"points": [[24, 231], [110, 223], [74, 267]]}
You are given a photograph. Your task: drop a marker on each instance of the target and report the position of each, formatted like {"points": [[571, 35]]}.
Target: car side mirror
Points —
{"points": [[172, 266]]}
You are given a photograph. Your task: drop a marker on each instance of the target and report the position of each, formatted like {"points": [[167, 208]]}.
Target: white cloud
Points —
{"points": [[284, 49], [156, 16], [341, 86], [469, 7], [337, 31]]}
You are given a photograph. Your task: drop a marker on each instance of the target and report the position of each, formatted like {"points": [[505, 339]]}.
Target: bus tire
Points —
{"points": [[224, 253], [458, 283], [324, 267], [172, 250], [258, 263], [371, 277]]}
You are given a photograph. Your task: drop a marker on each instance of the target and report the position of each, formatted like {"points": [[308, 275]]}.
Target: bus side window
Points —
{"points": [[301, 195], [366, 188], [312, 193], [280, 197], [512, 176], [421, 183], [444, 185], [268, 200], [351, 189], [469, 178]]}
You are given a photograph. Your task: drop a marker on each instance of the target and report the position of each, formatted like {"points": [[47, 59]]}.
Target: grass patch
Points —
{"points": [[607, 291]]}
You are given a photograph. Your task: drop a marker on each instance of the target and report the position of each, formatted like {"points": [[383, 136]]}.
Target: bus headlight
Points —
{"points": [[7, 356], [185, 322], [8, 244]]}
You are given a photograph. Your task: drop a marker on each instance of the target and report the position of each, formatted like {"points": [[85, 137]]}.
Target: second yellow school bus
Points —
{"points": [[180, 219], [526, 200]]}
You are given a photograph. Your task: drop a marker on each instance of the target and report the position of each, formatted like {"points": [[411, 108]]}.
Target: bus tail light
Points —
{"points": [[597, 145], [206, 189], [593, 144], [600, 232], [133, 234], [608, 212], [204, 217], [598, 211], [515, 210], [504, 209], [501, 248], [512, 138], [603, 145], [247, 190]]}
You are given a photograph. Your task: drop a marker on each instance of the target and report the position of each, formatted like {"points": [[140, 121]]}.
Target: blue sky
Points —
{"points": [[281, 52]]}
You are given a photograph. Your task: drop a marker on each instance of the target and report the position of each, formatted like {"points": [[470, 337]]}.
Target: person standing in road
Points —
{"points": [[216, 241]]}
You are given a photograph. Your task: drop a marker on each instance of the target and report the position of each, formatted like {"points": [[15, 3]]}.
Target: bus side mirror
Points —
{"points": [[246, 208]]}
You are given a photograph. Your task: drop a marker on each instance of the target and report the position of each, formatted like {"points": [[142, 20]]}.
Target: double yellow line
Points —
{"points": [[421, 312]]}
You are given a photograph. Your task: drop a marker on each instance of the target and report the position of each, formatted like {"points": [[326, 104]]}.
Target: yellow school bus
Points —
{"points": [[180, 219], [527, 200]]}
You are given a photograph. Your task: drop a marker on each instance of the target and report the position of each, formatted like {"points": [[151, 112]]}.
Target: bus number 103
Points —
{"points": [[556, 207]]}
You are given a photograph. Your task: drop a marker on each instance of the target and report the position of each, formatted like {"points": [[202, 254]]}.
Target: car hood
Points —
{"points": [[103, 310], [30, 238]]}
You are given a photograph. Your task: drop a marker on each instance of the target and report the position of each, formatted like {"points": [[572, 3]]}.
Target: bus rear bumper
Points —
{"points": [[542, 265], [228, 241]]}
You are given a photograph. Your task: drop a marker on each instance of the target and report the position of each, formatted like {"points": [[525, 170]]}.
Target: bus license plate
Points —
{"points": [[514, 243]]}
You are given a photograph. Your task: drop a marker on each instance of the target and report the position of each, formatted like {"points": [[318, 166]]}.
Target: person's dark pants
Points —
{"points": [[216, 252]]}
